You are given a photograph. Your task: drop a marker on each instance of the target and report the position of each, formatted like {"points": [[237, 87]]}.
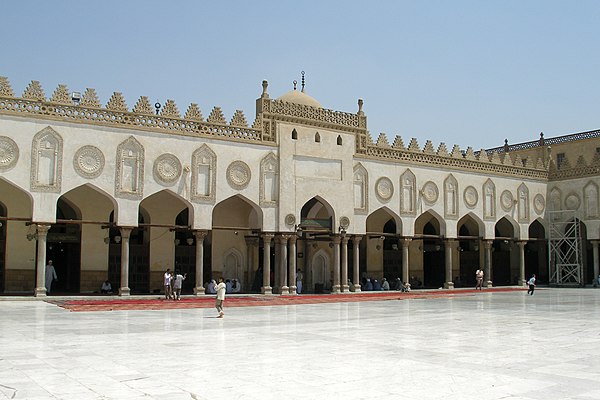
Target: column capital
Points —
{"points": [[42, 229], [267, 237], [336, 238], [595, 242], [345, 239], [487, 243], [200, 235], [252, 240], [522, 243], [293, 238], [356, 238], [126, 231], [405, 241]]}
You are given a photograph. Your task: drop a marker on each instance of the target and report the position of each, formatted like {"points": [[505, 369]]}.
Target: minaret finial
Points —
{"points": [[302, 81], [295, 83]]}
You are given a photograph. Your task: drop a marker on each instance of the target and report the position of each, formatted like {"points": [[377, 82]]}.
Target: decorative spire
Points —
{"points": [[238, 119], [90, 99], [34, 92], [143, 106], [170, 110], [61, 95], [216, 116], [295, 83], [5, 89], [360, 106], [302, 73], [193, 113], [265, 84]]}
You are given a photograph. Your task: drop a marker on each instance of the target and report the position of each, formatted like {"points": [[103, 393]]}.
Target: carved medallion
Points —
{"points": [[344, 222], [238, 174], [9, 153], [430, 193], [572, 202], [384, 189], [167, 169], [470, 196], [88, 162], [506, 200], [539, 203], [290, 219]]}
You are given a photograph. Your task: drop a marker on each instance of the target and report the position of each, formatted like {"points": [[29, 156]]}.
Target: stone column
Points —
{"points": [[449, 246], [251, 255], [283, 264], [266, 288], [277, 267], [487, 266], [125, 233], [596, 260], [405, 261], [522, 279], [40, 281], [344, 284], [336, 264], [356, 242], [199, 235], [292, 265]]}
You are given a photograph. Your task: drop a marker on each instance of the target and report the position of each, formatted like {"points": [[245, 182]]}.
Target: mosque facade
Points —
{"points": [[119, 194]]}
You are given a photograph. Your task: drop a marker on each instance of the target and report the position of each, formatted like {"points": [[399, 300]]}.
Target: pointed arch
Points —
{"points": [[538, 229], [46, 161], [506, 227], [377, 220], [450, 197], [237, 211], [339, 140], [204, 175], [361, 189], [167, 200], [317, 212], [473, 224], [408, 196], [489, 200], [129, 171], [233, 260], [321, 268], [269, 180], [430, 216], [317, 137], [294, 134]]}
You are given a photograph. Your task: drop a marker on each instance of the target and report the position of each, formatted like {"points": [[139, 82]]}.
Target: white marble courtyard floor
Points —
{"points": [[482, 346]]}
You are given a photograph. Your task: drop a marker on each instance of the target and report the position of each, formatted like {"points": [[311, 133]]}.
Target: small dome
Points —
{"points": [[299, 97]]}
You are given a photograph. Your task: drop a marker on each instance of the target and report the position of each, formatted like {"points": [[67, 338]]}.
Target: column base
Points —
{"points": [[266, 290], [488, 284], [345, 288], [449, 285], [293, 290], [357, 288], [199, 291], [285, 290], [523, 282], [40, 292], [335, 289], [124, 291]]}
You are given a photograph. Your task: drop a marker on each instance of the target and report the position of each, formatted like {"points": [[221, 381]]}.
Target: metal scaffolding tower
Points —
{"points": [[565, 258]]}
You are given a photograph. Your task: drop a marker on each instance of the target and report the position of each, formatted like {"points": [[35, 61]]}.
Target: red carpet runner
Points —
{"points": [[258, 300]]}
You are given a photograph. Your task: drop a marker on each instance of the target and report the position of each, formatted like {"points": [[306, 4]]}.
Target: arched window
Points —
{"points": [[339, 140], [294, 134], [317, 137]]}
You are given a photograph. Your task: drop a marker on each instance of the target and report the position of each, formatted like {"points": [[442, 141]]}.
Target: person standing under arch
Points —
{"points": [[50, 276]]}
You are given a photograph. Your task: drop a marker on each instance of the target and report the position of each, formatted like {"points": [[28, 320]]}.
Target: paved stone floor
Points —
{"points": [[483, 346]]}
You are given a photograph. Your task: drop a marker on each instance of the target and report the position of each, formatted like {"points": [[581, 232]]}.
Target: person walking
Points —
{"points": [[167, 284], [479, 279], [50, 276], [178, 284], [299, 278], [220, 289], [531, 283]]}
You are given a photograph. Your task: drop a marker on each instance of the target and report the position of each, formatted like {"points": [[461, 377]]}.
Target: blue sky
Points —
{"points": [[461, 72]]}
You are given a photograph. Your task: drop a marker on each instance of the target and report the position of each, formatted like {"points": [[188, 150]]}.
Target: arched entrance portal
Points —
{"points": [[428, 228], [321, 271], [536, 253], [185, 252], [468, 251], [502, 271], [63, 247]]}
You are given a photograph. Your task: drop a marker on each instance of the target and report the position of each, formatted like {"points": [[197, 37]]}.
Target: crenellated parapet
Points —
{"points": [[116, 113], [469, 160], [582, 168]]}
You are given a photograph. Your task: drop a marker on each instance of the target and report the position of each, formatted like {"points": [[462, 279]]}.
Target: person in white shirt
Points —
{"points": [[50, 276], [167, 284], [220, 288], [106, 287], [178, 284], [236, 286], [531, 283], [479, 278], [385, 285]]}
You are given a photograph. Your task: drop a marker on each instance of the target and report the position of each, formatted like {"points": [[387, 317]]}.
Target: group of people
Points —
{"points": [[231, 286], [173, 282], [368, 284]]}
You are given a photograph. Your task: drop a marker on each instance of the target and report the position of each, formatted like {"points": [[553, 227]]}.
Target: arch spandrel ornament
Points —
{"points": [[430, 193], [204, 175], [408, 193], [9, 153], [523, 203], [238, 175], [539, 203], [167, 169], [489, 200], [129, 171], [269, 181], [361, 190], [590, 201], [470, 197], [451, 197], [88, 162], [46, 161]]}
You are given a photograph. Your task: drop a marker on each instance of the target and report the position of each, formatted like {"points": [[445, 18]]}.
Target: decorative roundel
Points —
{"points": [[470, 196], [384, 188], [506, 200], [344, 222], [290, 219], [167, 169], [88, 162], [430, 193], [9, 153], [238, 174], [572, 202], [539, 203]]}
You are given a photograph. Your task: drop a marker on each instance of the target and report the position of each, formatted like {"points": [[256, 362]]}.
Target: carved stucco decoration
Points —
{"points": [[489, 200], [555, 199], [506, 200], [408, 193], [590, 201], [361, 190], [471, 197], [451, 197], [344, 222], [384, 189], [167, 169], [88, 162], [572, 201], [129, 171], [290, 219], [539, 203], [430, 193], [204, 175], [238, 175], [9, 153], [269, 181], [523, 203], [46, 161]]}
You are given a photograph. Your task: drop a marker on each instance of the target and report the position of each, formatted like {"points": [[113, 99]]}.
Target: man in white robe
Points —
{"points": [[50, 275]]}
